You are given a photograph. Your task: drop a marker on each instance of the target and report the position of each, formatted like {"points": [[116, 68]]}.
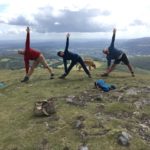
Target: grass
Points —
{"points": [[22, 131]]}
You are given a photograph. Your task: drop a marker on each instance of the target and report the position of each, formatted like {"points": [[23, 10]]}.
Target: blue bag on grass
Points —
{"points": [[104, 86]]}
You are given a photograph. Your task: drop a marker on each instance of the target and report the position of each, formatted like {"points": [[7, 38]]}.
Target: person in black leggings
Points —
{"points": [[75, 58]]}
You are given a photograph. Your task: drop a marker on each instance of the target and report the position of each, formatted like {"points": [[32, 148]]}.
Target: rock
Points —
{"points": [[132, 91], [136, 114], [144, 127], [79, 124], [70, 98], [45, 107], [138, 105], [124, 139], [83, 147]]}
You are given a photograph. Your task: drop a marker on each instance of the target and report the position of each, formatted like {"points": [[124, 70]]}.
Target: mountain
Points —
{"points": [[91, 48], [140, 46], [87, 49]]}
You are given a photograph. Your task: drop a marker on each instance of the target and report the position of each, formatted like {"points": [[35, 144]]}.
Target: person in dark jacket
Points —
{"points": [[75, 58], [117, 55], [34, 55]]}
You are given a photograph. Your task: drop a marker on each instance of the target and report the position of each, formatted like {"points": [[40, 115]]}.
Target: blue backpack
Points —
{"points": [[104, 86]]}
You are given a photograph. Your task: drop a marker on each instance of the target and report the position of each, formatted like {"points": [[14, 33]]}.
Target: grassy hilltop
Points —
{"points": [[104, 115]]}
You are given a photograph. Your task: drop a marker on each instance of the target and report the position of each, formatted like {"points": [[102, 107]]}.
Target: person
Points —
{"points": [[117, 55], [75, 58], [34, 55]]}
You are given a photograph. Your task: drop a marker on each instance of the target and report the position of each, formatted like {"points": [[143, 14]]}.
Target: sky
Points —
{"points": [[84, 19]]}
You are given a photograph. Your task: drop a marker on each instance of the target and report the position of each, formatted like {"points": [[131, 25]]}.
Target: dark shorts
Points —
{"points": [[124, 59]]}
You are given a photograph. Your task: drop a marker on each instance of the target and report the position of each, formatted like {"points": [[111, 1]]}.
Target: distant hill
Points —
{"points": [[90, 48], [140, 46], [141, 62], [86, 48]]}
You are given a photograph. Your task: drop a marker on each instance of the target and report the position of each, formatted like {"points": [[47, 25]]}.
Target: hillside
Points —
{"points": [[92, 48], [141, 62], [102, 115]]}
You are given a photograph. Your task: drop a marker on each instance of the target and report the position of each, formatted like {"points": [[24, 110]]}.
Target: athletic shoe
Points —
{"points": [[52, 76], [25, 79], [62, 77], [133, 75]]}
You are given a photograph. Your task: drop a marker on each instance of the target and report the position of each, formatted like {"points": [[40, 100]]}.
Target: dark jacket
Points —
{"points": [[69, 55], [113, 52]]}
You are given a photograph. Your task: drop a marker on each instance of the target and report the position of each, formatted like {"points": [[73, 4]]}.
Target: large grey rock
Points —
{"points": [[83, 148], [124, 138]]}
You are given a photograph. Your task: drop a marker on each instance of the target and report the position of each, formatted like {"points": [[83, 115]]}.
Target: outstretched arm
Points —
{"points": [[113, 38], [27, 46], [67, 42]]}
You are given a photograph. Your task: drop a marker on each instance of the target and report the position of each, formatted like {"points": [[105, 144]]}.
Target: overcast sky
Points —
{"points": [[52, 19]]}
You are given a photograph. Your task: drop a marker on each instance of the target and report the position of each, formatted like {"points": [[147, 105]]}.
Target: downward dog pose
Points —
{"points": [[75, 58], [34, 55], [118, 56]]}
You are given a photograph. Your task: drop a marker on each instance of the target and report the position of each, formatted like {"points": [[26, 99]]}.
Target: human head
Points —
{"points": [[21, 52], [106, 51], [60, 54]]}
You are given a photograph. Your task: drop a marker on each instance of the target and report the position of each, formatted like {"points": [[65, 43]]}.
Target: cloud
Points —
{"points": [[69, 21], [20, 21], [137, 23], [47, 20], [1, 21]]}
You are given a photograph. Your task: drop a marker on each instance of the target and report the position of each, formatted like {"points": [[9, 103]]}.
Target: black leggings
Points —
{"points": [[73, 63]]}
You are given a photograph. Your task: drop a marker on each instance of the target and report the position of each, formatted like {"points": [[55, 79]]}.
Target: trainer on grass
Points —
{"points": [[34, 55], [117, 55], [75, 58]]}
